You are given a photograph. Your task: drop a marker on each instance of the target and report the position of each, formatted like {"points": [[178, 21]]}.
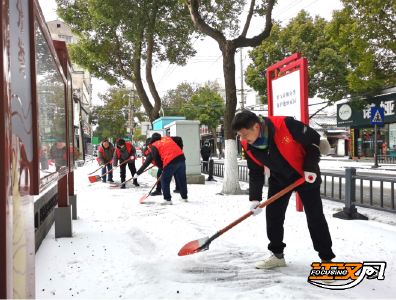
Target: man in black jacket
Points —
{"points": [[289, 149], [205, 153], [125, 151], [168, 155]]}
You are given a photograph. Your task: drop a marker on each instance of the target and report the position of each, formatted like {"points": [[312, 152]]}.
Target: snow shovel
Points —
{"points": [[95, 178], [145, 197], [100, 168], [203, 244], [129, 179]]}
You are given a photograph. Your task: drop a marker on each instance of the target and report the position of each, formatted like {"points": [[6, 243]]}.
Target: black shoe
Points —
{"points": [[111, 180], [176, 191], [135, 183], [156, 193], [122, 186]]}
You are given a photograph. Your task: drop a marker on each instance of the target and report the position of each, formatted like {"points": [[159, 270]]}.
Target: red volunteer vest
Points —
{"points": [[129, 148], [100, 149], [167, 149], [291, 150]]}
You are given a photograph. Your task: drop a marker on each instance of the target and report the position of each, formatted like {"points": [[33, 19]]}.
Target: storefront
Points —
{"points": [[362, 132]]}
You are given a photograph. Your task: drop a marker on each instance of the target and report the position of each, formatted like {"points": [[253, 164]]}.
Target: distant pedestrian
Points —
{"points": [[105, 156], [43, 159], [205, 153], [123, 152], [58, 153], [168, 154]]}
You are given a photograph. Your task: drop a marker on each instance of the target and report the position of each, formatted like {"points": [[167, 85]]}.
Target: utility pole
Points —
{"points": [[242, 100], [132, 107]]}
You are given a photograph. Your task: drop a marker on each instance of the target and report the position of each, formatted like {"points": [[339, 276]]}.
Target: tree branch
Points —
{"points": [[248, 19], [120, 65], [193, 6], [242, 41]]}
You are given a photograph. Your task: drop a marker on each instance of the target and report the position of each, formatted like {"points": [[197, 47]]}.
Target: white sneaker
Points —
{"points": [[271, 262], [164, 202], [183, 200]]}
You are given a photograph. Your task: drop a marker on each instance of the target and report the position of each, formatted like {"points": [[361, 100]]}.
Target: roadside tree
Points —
{"points": [[220, 21]]}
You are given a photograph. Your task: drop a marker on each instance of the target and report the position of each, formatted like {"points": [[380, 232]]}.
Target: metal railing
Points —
{"points": [[386, 159], [366, 191]]}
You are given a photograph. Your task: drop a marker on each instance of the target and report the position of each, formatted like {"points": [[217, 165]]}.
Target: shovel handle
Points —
{"points": [[132, 177], [116, 167], [100, 168], [159, 178], [270, 200]]}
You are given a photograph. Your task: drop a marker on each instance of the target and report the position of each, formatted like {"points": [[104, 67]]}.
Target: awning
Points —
{"points": [[336, 131]]}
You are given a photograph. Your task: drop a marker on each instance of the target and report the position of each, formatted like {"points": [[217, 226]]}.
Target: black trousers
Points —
{"points": [[205, 162], [317, 225], [131, 167]]}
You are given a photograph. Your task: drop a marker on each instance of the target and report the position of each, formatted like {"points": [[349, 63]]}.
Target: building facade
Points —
{"points": [[362, 132], [82, 89]]}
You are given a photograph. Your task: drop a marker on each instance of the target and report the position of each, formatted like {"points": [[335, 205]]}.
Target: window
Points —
{"points": [[67, 38], [58, 25]]}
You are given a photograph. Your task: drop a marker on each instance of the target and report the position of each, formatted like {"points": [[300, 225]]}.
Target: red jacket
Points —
{"points": [[167, 151], [146, 154], [291, 150]]}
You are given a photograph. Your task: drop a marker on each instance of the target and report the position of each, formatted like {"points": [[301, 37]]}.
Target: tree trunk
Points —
{"points": [[149, 66], [231, 181], [151, 112]]}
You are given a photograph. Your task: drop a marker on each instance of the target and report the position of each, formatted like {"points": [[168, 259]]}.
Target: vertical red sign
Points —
{"points": [[287, 87]]}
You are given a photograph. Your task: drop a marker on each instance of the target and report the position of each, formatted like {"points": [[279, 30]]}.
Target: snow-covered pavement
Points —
{"points": [[123, 249]]}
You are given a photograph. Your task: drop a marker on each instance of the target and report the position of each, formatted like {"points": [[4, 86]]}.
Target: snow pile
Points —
{"points": [[123, 249]]}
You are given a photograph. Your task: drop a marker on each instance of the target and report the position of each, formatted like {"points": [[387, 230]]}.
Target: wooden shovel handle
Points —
{"points": [[116, 167], [132, 177], [159, 178], [100, 168], [270, 200]]}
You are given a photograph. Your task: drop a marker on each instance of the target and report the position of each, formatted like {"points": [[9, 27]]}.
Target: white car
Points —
{"points": [[95, 150], [138, 152]]}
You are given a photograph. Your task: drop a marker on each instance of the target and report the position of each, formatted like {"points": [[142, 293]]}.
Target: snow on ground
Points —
{"points": [[123, 249]]}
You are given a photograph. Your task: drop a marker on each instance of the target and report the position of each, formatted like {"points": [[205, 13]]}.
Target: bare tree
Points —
{"points": [[216, 21]]}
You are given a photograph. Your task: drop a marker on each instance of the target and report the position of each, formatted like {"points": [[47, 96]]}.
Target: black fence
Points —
{"points": [[386, 159], [349, 188]]}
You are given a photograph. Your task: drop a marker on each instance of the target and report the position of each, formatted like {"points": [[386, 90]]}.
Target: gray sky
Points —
{"points": [[207, 65]]}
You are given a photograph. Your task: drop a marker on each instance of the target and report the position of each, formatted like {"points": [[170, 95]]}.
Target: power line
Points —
{"points": [[301, 9], [278, 14]]}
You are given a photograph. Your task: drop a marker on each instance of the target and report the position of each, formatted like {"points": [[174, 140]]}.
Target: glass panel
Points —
{"points": [[392, 137], [51, 102], [71, 125]]}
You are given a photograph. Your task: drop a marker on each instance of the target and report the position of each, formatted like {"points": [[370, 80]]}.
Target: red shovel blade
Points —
{"points": [[142, 199], [194, 247], [93, 179]]}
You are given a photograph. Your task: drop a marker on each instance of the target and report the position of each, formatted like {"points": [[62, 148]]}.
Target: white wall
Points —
{"points": [[189, 132]]}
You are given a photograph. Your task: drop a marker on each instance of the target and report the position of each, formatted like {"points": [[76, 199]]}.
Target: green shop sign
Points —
{"points": [[48, 140], [349, 117]]}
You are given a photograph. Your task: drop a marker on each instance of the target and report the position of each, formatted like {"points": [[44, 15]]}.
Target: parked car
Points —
{"points": [[95, 150], [138, 152]]}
